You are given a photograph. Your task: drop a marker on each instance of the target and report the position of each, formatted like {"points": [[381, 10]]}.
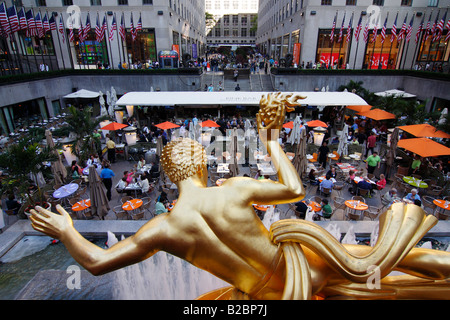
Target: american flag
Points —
{"points": [[401, 34], [358, 28], [39, 27], [22, 19], [439, 28], [433, 28], [383, 30], [13, 19], [374, 33], [366, 31], [61, 28], [87, 27], [81, 32], [122, 31], [133, 30], [409, 30], [139, 24], [71, 34], [447, 26], [420, 28], [104, 26], [45, 24], [52, 23], [394, 29], [113, 29], [31, 31], [4, 19], [99, 34], [333, 28], [349, 29], [341, 31]]}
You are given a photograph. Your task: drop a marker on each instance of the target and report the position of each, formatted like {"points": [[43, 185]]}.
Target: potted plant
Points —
{"points": [[24, 162]]}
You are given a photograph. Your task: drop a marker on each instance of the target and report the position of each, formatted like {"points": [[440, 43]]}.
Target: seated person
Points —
{"points": [[365, 184], [381, 184], [390, 196], [122, 184], [13, 204], [154, 171], [312, 177], [300, 209], [145, 185], [161, 203], [128, 176], [332, 173], [141, 163], [326, 183], [326, 209], [413, 195]]}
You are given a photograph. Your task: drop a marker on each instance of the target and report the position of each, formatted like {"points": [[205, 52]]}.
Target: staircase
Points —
{"points": [[253, 82]]}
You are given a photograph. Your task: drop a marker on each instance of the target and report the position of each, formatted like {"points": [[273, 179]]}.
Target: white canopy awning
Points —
{"points": [[185, 98], [83, 94], [396, 93]]}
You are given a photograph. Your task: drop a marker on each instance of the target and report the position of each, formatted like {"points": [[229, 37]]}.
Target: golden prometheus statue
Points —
{"points": [[216, 229]]}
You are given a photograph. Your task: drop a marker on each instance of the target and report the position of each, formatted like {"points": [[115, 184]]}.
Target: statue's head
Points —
{"points": [[183, 158]]}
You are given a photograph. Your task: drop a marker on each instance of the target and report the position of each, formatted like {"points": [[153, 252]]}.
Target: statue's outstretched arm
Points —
{"points": [[93, 258]]}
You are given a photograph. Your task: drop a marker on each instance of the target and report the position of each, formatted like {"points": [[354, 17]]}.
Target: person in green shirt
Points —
{"points": [[326, 209], [415, 165], [373, 161]]}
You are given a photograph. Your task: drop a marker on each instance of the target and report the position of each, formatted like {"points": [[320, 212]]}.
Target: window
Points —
{"points": [[235, 20], [326, 2], [243, 20], [407, 3], [378, 2], [41, 3], [243, 32], [67, 3], [122, 2], [235, 32], [148, 2], [433, 3], [350, 2], [96, 2], [226, 20], [226, 32]]}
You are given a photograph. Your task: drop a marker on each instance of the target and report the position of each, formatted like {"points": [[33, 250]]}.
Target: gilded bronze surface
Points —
{"points": [[216, 229]]}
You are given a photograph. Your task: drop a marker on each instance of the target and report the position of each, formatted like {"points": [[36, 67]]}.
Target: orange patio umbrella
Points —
{"points": [[316, 123], [361, 108], [424, 147], [209, 124], [289, 125], [114, 126], [167, 125], [424, 130], [377, 114]]}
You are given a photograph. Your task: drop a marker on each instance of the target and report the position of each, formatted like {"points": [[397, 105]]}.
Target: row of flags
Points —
{"points": [[13, 20], [433, 31]]}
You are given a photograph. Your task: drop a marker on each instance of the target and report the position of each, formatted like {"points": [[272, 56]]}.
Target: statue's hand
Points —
{"points": [[52, 224]]}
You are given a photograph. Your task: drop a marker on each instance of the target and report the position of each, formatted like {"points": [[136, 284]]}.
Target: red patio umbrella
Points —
{"points": [[209, 124], [316, 123], [114, 126], [166, 125]]}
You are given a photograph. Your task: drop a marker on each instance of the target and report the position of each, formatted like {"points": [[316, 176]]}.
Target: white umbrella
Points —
{"points": [[343, 142], [294, 137], [83, 93]]}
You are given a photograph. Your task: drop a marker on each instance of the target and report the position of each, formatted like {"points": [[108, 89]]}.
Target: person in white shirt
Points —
{"points": [[144, 185], [140, 164]]}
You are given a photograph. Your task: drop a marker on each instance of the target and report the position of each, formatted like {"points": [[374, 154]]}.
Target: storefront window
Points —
{"points": [[91, 52], [382, 55], [437, 51], [144, 46], [36, 45], [334, 53]]}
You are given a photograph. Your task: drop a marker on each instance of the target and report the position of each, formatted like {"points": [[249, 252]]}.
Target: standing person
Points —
{"points": [[110, 144], [106, 175], [373, 161], [237, 88], [323, 154], [371, 143], [235, 75]]}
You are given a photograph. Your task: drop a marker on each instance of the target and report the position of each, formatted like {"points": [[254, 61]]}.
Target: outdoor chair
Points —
{"points": [[352, 216], [427, 202], [338, 186], [120, 213], [359, 198], [325, 191], [316, 199], [362, 192], [138, 215], [373, 212], [125, 199]]}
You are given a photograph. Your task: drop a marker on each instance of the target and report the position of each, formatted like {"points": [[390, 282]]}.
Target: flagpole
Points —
{"points": [[60, 47], [357, 43], [106, 42], [380, 63], [330, 66], [24, 52], [13, 43], [34, 52], [435, 57], [431, 40], [69, 49], [374, 40], [118, 41], [416, 49], [408, 40], [392, 42]]}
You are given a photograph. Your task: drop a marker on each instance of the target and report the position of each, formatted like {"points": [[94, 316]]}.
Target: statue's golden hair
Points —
{"points": [[182, 158]]}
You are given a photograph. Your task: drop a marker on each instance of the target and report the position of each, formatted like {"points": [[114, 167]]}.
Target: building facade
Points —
{"points": [[235, 22], [149, 27], [325, 32]]}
